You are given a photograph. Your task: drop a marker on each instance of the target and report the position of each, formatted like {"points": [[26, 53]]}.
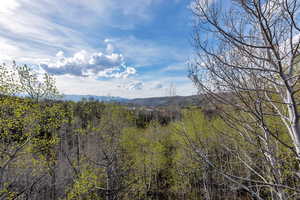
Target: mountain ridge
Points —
{"points": [[147, 102]]}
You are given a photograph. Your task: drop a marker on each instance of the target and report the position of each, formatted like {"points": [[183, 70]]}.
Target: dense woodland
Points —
{"points": [[93, 150]]}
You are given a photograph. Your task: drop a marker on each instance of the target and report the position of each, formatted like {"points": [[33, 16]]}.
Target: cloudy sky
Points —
{"points": [[126, 48]]}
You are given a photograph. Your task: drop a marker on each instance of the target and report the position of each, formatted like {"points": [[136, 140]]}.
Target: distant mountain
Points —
{"points": [[180, 101], [77, 98]]}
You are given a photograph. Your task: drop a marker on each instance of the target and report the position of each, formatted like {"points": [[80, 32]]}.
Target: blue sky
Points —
{"points": [[127, 48]]}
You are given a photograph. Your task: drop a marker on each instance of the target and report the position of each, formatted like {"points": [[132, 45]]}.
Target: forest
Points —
{"points": [[93, 150]]}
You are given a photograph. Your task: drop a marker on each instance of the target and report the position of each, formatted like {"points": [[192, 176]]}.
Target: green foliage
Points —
{"points": [[92, 150], [24, 80], [87, 184], [34, 86], [8, 85], [15, 117]]}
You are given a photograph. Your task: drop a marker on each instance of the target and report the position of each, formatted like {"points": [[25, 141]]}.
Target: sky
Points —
{"points": [[125, 48]]}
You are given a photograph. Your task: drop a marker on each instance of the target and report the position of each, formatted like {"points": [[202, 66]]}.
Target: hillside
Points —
{"points": [[166, 101], [147, 102]]}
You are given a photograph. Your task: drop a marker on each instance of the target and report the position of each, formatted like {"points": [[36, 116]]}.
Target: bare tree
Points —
{"points": [[111, 152], [250, 61], [248, 65]]}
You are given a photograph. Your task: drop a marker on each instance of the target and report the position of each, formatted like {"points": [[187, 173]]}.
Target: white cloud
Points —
{"points": [[108, 65]]}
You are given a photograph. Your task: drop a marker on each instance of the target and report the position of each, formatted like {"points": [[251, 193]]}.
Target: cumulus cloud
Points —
{"points": [[102, 64]]}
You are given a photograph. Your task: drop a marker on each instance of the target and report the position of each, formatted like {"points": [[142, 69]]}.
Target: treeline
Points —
{"points": [[92, 150]]}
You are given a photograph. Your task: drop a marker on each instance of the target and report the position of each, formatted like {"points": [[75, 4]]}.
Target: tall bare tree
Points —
{"points": [[248, 65], [248, 55]]}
